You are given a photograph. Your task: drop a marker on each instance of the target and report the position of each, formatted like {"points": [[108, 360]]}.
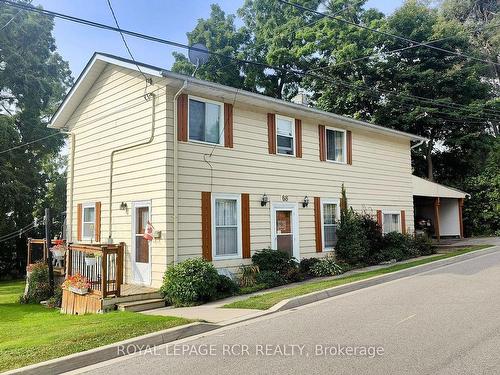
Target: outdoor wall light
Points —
{"points": [[264, 200], [123, 206], [305, 202]]}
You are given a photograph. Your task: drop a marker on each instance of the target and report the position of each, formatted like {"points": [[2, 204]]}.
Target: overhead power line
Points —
{"points": [[29, 143], [394, 36], [244, 61]]}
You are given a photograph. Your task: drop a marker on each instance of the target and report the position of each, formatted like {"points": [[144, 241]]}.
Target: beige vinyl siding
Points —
{"points": [[114, 114], [380, 178]]}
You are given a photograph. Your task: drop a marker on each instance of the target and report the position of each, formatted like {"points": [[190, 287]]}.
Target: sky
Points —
{"points": [[168, 19]]}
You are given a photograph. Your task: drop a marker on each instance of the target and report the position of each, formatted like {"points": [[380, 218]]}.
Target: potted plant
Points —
{"points": [[77, 283], [91, 259]]}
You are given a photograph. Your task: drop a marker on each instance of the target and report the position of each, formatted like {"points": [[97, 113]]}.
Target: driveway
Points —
{"points": [[444, 321]]}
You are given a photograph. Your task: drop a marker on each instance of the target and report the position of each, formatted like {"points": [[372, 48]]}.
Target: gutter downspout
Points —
{"points": [[69, 217], [153, 115], [176, 175]]}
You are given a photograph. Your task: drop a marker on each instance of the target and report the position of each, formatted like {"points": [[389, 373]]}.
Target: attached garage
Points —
{"points": [[437, 208]]}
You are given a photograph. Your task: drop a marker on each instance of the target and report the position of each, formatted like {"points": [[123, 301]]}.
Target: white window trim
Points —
{"points": [[221, 120], [391, 213], [328, 201], [292, 120], [236, 197], [344, 148], [84, 206]]}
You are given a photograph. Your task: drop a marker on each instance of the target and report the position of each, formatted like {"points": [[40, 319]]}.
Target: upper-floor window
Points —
{"points": [[226, 226], [391, 222], [336, 145], [206, 121], [285, 135], [88, 221]]}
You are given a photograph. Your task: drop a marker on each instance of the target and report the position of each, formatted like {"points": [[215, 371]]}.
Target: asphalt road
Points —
{"points": [[445, 321]]}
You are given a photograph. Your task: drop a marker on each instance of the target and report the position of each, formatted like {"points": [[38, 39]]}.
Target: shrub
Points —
{"points": [[424, 245], [273, 260], [374, 237], [56, 299], [247, 275], [326, 267], [38, 284], [252, 289], [306, 264], [396, 246], [352, 244], [190, 282], [270, 278], [226, 287], [294, 275]]}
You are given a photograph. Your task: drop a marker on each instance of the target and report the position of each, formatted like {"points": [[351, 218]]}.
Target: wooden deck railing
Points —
{"points": [[106, 276]]}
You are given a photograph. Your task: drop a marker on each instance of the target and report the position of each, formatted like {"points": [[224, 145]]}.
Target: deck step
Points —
{"points": [[142, 305]]}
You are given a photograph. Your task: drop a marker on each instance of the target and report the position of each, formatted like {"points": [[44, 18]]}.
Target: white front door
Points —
{"points": [[141, 248], [285, 228]]}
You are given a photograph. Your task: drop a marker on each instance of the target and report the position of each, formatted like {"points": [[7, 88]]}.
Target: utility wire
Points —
{"points": [[12, 18], [125, 41], [244, 61], [394, 36], [29, 143]]}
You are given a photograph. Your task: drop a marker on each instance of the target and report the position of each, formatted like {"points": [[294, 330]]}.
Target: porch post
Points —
{"points": [[437, 203], [460, 219]]}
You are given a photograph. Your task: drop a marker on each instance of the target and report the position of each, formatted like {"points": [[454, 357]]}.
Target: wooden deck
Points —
{"points": [[132, 290]]}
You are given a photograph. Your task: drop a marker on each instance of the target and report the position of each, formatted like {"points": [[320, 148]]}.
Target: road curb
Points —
{"points": [[111, 351], [306, 299], [115, 350]]}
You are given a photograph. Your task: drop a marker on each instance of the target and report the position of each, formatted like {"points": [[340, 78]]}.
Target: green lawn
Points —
{"points": [[267, 300], [33, 333]]}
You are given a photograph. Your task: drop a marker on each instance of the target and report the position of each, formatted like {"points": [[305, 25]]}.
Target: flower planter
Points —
{"points": [[81, 291], [90, 261]]}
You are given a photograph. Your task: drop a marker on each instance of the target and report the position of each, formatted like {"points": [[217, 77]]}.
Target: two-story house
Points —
{"points": [[221, 173]]}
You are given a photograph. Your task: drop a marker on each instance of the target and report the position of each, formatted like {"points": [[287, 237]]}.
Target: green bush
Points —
{"points": [[352, 244], [424, 245], [190, 282], [374, 237], [226, 287], [396, 246], [294, 275], [326, 267], [56, 299], [306, 264], [38, 284], [270, 278], [273, 260]]}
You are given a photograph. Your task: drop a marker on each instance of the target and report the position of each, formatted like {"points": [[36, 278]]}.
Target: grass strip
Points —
{"points": [[267, 300]]}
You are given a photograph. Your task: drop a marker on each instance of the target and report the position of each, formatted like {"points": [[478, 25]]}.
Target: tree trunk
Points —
{"points": [[428, 156]]}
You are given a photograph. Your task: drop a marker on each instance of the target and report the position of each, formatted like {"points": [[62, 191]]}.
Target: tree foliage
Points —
{"points": [[33, 79]]}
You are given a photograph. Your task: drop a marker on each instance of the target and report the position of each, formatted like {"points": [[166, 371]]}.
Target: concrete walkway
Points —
{"points": [[214, 313]]}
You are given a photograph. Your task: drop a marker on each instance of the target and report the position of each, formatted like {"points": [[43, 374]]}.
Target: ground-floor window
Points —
{"points": [[226, 226], [330, 216], [391, 222]]}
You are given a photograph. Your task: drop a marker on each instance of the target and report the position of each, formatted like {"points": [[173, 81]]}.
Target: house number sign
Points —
{"points": [[284, 198]]}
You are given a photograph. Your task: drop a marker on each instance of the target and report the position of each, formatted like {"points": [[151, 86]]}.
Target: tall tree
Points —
{"points": [[33, 79]]}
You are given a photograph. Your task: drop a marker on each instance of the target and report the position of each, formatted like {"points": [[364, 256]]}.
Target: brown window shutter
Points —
{"points": [[403, 222], [228, 125], [298, 138], [317, 225], [182, 117], [97, 224], [379, 218], [79, 222], [271, 132], [245, 224], [322, 142], [206, 225], [349, 147]]}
